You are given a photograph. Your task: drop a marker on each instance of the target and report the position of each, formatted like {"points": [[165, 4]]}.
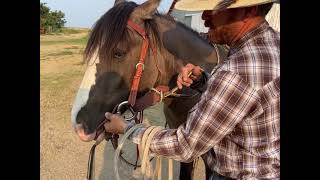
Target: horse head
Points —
{"points": [[113, 51]]}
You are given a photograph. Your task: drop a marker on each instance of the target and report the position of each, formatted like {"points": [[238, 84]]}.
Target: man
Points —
{"points": [[235, 126]]}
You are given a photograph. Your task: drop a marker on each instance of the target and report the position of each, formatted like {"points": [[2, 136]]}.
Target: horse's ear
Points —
{"points": [[145, 10], [117, 2]]}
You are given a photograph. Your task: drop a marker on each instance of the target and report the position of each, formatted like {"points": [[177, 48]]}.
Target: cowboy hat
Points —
{"points": [[201, 5]]}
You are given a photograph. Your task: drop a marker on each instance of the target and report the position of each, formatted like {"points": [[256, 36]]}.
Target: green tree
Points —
{"points": [[44, 12], [58, 20], [51, 21]]}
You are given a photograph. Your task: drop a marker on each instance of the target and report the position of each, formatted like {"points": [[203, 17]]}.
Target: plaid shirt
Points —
{"points": [[235, 126]]}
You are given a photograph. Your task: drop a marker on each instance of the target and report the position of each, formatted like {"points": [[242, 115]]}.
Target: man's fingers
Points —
{"points": [[107, 126], [185, 73], [116, 123], [186, 70], [190, 66], [186, 84], [188, 81], [181, 82], [179, 85], [197, 71], [108, 115], [184, 79], [111, 116], [193, 77]]}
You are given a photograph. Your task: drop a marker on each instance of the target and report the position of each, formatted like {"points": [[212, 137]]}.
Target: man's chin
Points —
{"points": [[213, 41], [212, 38]]}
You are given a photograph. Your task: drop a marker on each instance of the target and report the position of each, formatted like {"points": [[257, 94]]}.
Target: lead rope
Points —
{"points": [[217, 51], [172, 92], [120, 145], [144, 153], [90, 172], [91, 162]]}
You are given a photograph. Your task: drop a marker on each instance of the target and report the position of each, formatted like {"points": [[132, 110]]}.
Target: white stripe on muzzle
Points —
{"points": [[83, 93]]}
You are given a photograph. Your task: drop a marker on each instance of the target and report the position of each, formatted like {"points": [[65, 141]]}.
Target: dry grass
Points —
{"points": [[62, 155]]}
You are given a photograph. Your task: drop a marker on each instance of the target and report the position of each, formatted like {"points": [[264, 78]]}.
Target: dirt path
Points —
{"points": [[62, 155]]}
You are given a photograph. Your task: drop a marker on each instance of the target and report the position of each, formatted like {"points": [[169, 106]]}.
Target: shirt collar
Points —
{"points": [[250, 34]]}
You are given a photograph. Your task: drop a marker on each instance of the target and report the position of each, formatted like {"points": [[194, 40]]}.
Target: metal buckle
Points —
{"points": [[140, 64], [123, 104]]}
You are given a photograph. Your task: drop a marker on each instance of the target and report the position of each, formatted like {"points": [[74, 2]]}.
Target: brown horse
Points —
{"points": [[113, 50]]}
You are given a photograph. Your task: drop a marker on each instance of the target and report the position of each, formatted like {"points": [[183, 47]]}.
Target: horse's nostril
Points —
{"points": [[82, 135]]}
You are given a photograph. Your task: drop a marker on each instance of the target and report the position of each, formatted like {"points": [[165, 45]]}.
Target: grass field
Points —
{"points": [[61, 70], [62, 155]]}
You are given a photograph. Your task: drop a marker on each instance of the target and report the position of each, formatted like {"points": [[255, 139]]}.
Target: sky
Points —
{"points": [[84, 13]]}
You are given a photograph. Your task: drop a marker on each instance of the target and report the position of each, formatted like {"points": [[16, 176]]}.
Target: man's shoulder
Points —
{"points": [[263, 37], [256, 57], [268, 40], [269, 37], [257, 62], [263, 47]]}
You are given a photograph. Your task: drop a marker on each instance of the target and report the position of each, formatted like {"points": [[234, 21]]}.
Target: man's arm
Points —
{"points": [[226, 102]]}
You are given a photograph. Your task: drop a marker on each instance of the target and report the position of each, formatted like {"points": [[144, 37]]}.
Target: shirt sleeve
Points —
{"points": [[227, 100]]}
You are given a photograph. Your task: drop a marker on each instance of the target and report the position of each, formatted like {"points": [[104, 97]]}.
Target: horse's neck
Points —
{"points": [[182, 46]]}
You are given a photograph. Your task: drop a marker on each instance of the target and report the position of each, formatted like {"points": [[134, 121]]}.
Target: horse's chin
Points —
{"points": [[82, 135]]}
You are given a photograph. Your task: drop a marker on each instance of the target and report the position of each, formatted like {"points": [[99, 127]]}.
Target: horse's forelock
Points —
{"points": [[108, 31]]}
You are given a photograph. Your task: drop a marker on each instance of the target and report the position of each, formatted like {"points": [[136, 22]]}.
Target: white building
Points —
{"points": [[273, 17], [191, 19]]}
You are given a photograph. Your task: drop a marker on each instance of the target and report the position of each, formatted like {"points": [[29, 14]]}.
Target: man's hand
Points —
{"points": [[115, 124], [183, 78]]}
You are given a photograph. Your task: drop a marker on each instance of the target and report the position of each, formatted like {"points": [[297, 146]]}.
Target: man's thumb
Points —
{"points": [[108, 115], [197, 71]]}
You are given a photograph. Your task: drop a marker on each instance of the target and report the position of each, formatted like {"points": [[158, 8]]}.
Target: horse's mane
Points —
{"points": [[111, 29]]}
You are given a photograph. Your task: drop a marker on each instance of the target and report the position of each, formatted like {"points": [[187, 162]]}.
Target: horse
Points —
{"points": [[113, 52]]}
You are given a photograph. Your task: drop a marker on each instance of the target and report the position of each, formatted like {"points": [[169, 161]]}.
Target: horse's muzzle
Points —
{"points": [[82, 135]]}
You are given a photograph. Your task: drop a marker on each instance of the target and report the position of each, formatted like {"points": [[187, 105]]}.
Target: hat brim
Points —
{"points": [[201, 5]]}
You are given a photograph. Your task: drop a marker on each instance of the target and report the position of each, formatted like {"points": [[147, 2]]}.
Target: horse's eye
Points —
{"points": [[119, 54]]}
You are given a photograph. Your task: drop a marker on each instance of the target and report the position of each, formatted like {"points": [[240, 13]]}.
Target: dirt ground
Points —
{"points": [[62, 155]]}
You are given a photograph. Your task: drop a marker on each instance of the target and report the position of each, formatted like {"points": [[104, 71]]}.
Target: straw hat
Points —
{"points": [[201, 5]]}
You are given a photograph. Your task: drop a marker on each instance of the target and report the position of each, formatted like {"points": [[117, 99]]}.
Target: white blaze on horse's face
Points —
{"points": [[83, 93]]}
